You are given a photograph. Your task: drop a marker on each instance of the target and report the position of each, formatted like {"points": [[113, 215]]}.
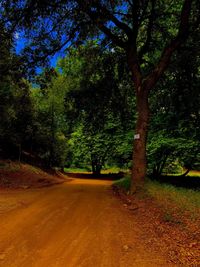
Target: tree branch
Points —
{"points": [[57, 48], [114, 38], [145, 47], [117, 22], [121, 25], [135, 20], [164, 61], [98, 20]]}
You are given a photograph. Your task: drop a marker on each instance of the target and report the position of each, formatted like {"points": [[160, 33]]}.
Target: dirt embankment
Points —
{"points": [[19, 175]]}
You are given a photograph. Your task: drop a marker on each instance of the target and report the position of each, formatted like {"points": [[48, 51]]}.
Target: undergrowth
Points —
{"points": [[10, 166], [110, 170], [167, 196], [173, 198], [124, 183]]}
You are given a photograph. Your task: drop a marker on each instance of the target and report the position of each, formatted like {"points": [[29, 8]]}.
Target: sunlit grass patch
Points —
{"points": [[114, 170], [76, 170], [111, 170], [194, 173]]}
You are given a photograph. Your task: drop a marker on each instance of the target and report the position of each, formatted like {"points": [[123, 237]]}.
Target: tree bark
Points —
{"points": [[96, 167], [20, 152], [185, 173], [139, 164]]}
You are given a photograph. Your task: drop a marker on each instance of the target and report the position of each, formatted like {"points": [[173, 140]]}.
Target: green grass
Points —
{"points": [[185, 199], [76, 170], [167, 195], [114, 170], [111, 170], [192, 173], [124, 183]]}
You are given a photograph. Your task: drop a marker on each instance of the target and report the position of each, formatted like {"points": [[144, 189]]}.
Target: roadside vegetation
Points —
{"points": [[176, 202]]}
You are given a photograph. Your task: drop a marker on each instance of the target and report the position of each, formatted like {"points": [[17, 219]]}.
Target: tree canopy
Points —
{"points": [[143, 35]]}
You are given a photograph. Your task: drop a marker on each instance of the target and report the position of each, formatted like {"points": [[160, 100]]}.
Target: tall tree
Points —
{"points": [[149, 31], [15, 104], [99, 102], [175, 109], [50, 143]]}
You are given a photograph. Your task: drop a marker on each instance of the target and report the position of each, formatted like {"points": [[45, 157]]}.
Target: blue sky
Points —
{"points": [[20, 43]]}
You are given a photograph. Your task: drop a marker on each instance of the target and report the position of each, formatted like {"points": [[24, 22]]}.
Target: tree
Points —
{"points": [[165, 153], [50, 142], [174, 131], [15, 108], [148, 31], [98, 101]]}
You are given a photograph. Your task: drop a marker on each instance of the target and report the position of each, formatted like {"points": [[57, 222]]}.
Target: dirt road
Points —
{"points": [[76, 224]]}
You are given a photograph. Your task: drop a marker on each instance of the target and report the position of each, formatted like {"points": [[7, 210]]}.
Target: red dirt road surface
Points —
{"points": [[75, 224]]}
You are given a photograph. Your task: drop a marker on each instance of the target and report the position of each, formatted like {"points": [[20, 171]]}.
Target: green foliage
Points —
{"points": [[50, 142], [124, 183], [165, 152], [98, 100], [174, 130], [170, 198], [167, 195], [93, 148], [15, 107], [76, 170]]}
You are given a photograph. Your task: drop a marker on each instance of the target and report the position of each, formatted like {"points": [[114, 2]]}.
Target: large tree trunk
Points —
{"points": [[139, 166], [143, 85]]}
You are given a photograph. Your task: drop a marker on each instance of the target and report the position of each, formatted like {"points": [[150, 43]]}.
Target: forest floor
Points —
{"points": [[82, 223]]}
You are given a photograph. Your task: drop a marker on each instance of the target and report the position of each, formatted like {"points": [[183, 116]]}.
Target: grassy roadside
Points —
{"points": [[173, 200], [112, 170], [168, 215]]}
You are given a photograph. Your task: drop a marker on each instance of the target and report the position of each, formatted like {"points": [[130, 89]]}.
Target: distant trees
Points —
{"points": [[49, 141], [98, 101], [15, 101]]}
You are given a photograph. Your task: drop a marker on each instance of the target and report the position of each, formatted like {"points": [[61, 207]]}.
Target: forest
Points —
{"points": [[82, 112]]}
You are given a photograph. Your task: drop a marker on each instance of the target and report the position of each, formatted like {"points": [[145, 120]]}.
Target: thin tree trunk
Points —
{"points": [[51, 156], [185, 173], [20, 152], [163, 165], [139, 166]]}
